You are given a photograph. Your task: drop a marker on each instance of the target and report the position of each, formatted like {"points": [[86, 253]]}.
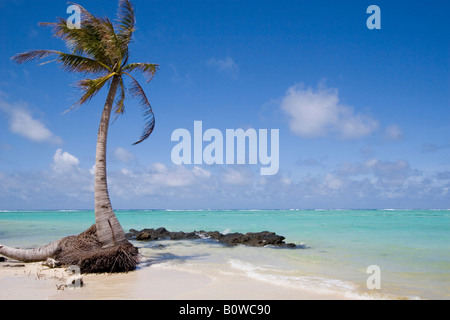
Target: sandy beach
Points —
{"points": [[33, 281]]}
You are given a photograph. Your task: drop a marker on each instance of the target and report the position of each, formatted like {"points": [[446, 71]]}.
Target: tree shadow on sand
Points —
{"points": [[167, 257]]}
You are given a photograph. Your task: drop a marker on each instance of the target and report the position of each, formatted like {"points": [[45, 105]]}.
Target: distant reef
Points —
{"points": [[252, 239]]}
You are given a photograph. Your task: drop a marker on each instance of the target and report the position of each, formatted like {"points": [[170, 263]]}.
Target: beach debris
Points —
{"points": [[14, 265], [253, 239], [51, 263]]}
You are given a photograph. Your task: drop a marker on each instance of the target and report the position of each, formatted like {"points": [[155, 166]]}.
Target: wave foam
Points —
{"points": [[315, 284]]}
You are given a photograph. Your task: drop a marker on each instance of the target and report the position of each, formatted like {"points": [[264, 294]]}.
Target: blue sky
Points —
{"points": [[363, 114]]}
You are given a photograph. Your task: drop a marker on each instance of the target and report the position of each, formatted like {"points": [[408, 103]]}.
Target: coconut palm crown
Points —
{"points": [[100, 48]]}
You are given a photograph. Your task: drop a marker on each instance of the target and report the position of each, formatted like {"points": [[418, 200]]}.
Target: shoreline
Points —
{"points": [[324, 263], [33, 281]]}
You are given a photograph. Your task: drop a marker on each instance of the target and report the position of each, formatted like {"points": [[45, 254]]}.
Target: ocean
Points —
{"points": [[410, 249]]}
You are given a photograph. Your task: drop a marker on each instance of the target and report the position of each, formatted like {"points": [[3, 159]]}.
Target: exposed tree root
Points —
{"points": [[85, 251]]}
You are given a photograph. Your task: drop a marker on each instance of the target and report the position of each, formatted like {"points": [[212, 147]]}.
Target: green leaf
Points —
{"points": [[91, 87], [147, 69], [137, 91]]}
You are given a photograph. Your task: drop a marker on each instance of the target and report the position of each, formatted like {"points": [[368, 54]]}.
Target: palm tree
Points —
{"points": [[99, 48]]}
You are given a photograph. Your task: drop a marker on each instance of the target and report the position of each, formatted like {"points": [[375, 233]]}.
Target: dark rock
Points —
{"points": [[134, 231], [177, 235], [132, 235], [216, 235], [259, 239], [192, 235], [253, 239], [152, 234], [144, 236], [161, 233]]}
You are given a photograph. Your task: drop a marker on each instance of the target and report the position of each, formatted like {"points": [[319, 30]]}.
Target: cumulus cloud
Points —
{"points": [[236, 176], [314, 113], [21, 122], [158, 180], [64, 162], [176, 176], [389, 169], [201, 173], [64, 185], [332, 182], [371, 183]]}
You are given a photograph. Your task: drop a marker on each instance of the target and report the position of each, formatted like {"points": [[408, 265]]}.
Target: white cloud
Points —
{"points": [[234, 176], [175, 176], [226, 65], [314, 113], [373, 183], [396, 172], [159, 167], [201, 173], [64, 162], [123, 155], [22, 122], [332, 182]]}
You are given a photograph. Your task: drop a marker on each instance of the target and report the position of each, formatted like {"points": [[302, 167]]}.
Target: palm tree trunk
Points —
{"points": [[30, 255], [109, 230]]}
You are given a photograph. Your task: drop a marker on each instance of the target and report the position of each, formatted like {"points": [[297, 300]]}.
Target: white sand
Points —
{"points": [[36, 282]]}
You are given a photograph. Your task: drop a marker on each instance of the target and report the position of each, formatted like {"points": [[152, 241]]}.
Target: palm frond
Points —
{"points": [[69, 62], [100, 47], [137, 92], [86, 41], [147, 69], [91, 87], [94, 39], [120, 107], [126, 20], [33, 55], [75, 63]]}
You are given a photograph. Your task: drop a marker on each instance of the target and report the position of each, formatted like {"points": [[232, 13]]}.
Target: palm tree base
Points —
{"points": [[86, 251]]}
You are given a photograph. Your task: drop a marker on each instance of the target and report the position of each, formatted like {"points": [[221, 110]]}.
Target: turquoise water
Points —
{"points": [[411, 247]]}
